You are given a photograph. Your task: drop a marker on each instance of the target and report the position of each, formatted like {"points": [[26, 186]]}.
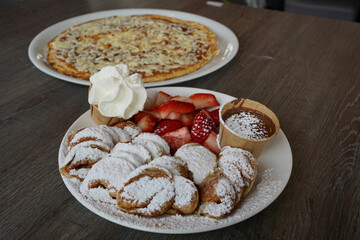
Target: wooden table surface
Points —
{"points": [[306, 69]]}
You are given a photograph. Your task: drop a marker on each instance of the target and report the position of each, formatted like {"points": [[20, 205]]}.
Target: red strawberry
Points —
{"points": [[154, 114], [145, 121], [203, 125], [146, 124], [167, 125], [177, 138], [181, 99], [215, 116], [161, 97], [211, 143], [188, 118], [149, 104], [170, 106], [174, 116], [204, 100], [137, 117]]}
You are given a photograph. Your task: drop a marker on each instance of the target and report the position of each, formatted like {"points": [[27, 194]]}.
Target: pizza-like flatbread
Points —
{"points": [[157, 47]]}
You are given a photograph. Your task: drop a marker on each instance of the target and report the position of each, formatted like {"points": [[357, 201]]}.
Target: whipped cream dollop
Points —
{"points": [[117, 93]]}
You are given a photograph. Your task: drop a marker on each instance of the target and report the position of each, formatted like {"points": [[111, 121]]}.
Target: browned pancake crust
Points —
{"points": [[65, 57]]}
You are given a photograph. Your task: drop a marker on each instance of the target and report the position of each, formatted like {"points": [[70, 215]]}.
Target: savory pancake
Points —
{"points": [[157, 47]]}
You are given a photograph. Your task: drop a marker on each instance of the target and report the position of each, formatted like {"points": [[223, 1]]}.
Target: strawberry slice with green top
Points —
{"points": [[203, 125], [204, 100], [170, 106], [167, 125]]}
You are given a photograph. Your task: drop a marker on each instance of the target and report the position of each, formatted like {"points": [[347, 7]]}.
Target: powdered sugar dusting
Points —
{"points": [[96, 133], [237, 165], [81, 172], [225, 190], [112, 170], [150, 137], [264, 191], [218, 209], [246, 125], [146, 194], [185, 191], [156, 190], [155, 148], [97, 194], [132, 131], [165, 195], [117, 134], [83, 151], [136, 149], [172, 164], [80, 154], [144, 189], [200, 160]]}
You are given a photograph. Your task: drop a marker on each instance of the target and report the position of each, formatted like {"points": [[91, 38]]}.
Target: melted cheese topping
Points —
{"points": [[146, 44]]}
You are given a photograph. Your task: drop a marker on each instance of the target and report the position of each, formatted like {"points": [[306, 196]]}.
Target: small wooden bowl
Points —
{"points": [[228, 137]]}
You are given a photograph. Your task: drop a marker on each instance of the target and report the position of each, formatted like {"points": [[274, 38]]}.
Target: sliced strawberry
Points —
{"points": [[170, 106], [215, 116], [146, 123], [149, 104], [161, 97], [155, 114], [167, 125], [188, 118], [211, 143], [207, 113], [181, 99], [137, 117], [204, 100], [177, 138], [203, 125], [174, 116]]}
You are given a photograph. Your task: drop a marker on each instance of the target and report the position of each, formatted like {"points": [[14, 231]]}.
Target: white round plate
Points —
{"points": [[275, 164], [227, 43]]}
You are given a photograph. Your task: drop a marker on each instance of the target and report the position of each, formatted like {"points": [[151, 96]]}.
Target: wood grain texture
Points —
{"points": [[307, 70]]}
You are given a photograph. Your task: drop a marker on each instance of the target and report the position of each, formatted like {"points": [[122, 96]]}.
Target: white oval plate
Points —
{"points": [[275, 164], [227, 43]]}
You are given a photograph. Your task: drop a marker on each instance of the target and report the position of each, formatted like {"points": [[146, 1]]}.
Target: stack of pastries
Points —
{"points": [[134, 170]]}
